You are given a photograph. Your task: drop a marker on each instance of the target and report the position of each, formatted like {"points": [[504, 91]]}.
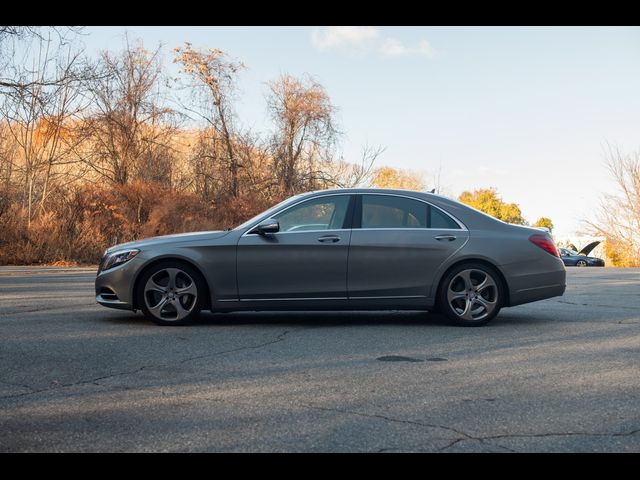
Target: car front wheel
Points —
{"points": [[471, 295], [171, 293]]}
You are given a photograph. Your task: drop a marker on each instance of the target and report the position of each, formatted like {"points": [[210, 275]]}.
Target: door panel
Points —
{"points": [[397, 262], [307, 258], [293, 265], [396, 253]]}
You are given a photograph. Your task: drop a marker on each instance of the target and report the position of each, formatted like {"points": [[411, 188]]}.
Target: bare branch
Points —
{"points": [[618, 218]]}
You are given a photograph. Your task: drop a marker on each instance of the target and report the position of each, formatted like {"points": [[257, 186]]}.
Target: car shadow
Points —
{"points": [[302, 318], [307, 318]]}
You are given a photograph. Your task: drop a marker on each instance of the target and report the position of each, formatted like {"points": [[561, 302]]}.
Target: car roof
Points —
{"points": [[372, 190], [469, 216]]}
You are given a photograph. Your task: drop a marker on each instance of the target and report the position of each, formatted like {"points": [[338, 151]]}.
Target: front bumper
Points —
{"points": [[114, 287]]}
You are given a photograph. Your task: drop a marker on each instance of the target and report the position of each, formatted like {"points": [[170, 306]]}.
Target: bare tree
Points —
{"points": [[16, 45], [206, 156], [7, 163], [7, 155], [212, 81], [343, 174], [305, 136], [256, 174], [128, 129], [618, 219], [38, 118]]}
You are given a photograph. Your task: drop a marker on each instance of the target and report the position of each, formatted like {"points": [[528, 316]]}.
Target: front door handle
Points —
{"points": [[450, 238], [329, 239]]}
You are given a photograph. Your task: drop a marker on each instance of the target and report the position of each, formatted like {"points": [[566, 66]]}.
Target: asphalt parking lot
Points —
{"points": [[561, 375]]}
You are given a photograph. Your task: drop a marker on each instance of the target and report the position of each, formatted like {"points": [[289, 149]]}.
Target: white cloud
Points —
{"points": [[329, 38], [425, 48], [392, 47], [354, 38]]}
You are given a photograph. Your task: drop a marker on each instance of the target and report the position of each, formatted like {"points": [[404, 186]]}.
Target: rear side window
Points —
{"points": [[388, 211], [385, 211], [439, 219]]}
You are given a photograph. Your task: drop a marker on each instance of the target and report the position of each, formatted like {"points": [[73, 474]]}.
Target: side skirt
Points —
{"points": [[380, 303]]}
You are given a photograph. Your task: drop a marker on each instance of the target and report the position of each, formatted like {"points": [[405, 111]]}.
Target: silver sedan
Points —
{"points": [[365, 249]]}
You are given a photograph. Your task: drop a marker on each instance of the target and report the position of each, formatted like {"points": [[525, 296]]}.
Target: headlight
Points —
{"points": [[118, 258]]}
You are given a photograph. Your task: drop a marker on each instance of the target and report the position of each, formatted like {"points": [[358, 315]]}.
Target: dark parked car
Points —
{"points": [[342, 249], [571, 258]]}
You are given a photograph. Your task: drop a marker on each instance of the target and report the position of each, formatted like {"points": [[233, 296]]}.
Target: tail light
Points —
{"points": [[545, 243]]}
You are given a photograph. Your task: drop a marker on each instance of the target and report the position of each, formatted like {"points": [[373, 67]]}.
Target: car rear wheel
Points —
{"points": [[471, 295], [171, 293]]}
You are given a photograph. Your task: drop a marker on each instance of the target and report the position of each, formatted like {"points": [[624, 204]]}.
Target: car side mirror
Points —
{"points": [[266, 226]]}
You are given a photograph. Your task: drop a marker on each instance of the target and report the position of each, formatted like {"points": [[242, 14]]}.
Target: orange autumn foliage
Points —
{"points": [[96, 217]]}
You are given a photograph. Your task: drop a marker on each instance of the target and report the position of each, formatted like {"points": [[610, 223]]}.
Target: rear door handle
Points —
{"points": [[450, 238], [329, 239]]}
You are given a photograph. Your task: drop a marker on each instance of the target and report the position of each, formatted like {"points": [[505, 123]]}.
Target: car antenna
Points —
{"points": [[433, 190]]}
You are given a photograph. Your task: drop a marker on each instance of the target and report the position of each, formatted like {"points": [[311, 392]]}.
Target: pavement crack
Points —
{"points": [[559, 434], [596, 305], [94, 381], [20, 385], [511, 450], [468, 437], [489, 438], [278, 339], [36, 310], [456, 441], [391, 419]]}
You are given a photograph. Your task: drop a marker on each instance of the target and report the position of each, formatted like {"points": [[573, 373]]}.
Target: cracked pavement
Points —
{"points": [[561, 375]]}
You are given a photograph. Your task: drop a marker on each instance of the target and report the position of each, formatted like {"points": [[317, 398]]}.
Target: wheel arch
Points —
{"points": [[175, 258], [481, 261]]}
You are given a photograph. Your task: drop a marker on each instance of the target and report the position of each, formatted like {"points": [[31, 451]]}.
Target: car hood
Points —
{"points": [[587, 250], [176, 238]]}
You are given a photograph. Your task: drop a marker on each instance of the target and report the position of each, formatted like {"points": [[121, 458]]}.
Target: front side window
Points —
{"points": [[323, 213], [386, 211]]}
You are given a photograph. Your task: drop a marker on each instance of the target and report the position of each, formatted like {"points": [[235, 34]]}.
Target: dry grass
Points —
{"points": [[77, 231]]}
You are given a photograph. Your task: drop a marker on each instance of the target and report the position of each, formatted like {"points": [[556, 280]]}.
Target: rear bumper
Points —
{"points": [[536, 293], [527, 284]]}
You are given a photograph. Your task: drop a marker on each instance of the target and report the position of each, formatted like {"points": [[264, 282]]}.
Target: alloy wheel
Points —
{"points": [[472, 294], [170, 294]]}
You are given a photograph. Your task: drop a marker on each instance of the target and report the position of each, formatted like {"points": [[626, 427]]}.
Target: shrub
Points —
{"points": [[91, 218]]}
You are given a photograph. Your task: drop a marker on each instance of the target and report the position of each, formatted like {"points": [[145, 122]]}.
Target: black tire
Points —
{"points": [[192, 306], [581, 263], [493, 295]]}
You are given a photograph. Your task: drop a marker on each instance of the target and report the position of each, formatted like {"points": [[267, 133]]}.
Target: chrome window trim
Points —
{"points": [[419, 229], [284, 209], [462, 225], [314, 231], [388, 297], [289, 299]]}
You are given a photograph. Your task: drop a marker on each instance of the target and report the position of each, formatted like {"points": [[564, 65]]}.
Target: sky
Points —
{"points": [[526, 110]]}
